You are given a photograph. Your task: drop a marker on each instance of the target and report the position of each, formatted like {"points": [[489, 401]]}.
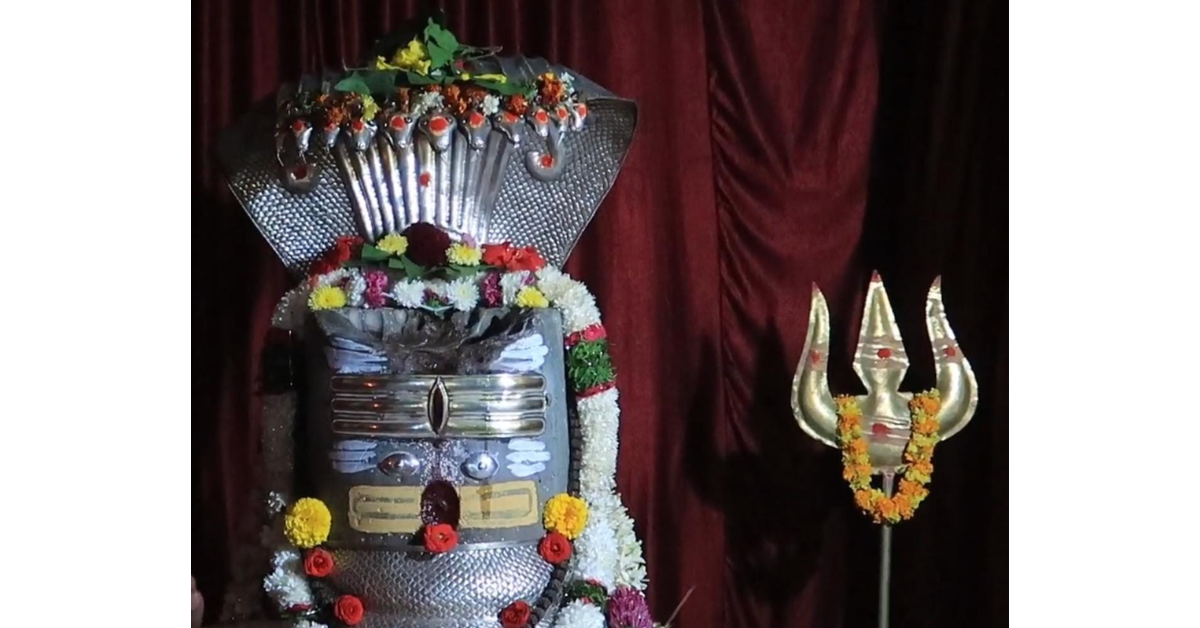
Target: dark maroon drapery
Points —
{"points": [[780, 143]]}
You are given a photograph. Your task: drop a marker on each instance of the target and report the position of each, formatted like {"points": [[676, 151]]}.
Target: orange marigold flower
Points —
{"points": [[886, 508], [857, 446], [863, 498], [908, 487], [848, 472], [923, 466], [903, 505], [926, 427], [516, 105]]}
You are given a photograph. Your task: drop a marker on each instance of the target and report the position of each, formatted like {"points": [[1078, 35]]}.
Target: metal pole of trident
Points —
{"points": [[885, 557]]}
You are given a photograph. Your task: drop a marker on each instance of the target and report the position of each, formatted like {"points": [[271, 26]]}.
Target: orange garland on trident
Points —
{"points": [[918, 458]]}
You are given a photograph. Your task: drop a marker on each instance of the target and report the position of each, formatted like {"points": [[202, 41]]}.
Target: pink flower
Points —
{"points": [[377, 280], [492, 294]]}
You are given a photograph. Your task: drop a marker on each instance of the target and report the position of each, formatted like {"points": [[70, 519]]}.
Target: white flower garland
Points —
{"points": [[608, 550], [580, 614]]}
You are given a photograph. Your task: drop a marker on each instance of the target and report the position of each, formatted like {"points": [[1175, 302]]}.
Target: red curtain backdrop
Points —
{"points": [[780, 143]]}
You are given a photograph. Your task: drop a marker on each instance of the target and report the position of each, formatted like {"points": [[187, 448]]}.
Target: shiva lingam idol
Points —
{"points": [[885, 432], [445, 455]]}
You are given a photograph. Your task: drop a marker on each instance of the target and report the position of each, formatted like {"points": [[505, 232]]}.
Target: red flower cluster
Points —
{"points": [[440, 537], [555, 548], [318, 563], [426, 244], [346, 249], [592, 333], [515, 615], [512, 258], [348, 609]]}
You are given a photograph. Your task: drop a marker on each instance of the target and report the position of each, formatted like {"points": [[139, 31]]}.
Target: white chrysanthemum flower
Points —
{"points": [[355, 289], [409, 293], [596, 550], [276, 502], [579, 614], [463, 294], [599, 418], [333, 278], [491, 105], [287, 589], [426, 101], [554, 283], [286, 559], [304, 623], [578, 308], [510, 284], [631, 565]]}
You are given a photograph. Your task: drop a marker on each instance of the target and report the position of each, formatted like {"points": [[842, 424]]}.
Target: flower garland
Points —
{"points": [[918, 458], [422, 268]]}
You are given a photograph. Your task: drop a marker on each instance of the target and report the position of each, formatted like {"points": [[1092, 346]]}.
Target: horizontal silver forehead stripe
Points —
{"points": [[495, 428]]}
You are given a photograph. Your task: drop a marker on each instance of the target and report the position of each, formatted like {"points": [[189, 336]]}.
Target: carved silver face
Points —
{"points": [[416, 419]]}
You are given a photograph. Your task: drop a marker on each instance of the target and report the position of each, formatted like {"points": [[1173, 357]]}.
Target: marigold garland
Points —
{"points": [[918, 458]]}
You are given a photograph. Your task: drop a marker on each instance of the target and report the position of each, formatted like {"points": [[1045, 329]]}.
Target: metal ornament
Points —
{"points": [[880, 360], [533, 180]]}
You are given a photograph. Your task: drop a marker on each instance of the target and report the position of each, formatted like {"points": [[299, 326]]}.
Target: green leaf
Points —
{"points": [[411, 270], [353, 83], [417, 79], [380, 81], [507, 89], [439, 57], [374, 254], [443, 38]]}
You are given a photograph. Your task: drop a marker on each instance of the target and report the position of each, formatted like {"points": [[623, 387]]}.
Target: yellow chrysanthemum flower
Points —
{"points": [[531, 297], [414, 57], [566, 515], [370, 109], [326, 298], [393, 243], [307, 523], [464, 255]]}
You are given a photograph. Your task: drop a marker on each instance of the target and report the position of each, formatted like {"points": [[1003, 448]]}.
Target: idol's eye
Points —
{"points": [[400, 464], [480, 466]]}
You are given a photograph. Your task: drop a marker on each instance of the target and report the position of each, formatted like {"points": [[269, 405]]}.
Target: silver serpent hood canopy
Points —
{"points": [[532, 174]]}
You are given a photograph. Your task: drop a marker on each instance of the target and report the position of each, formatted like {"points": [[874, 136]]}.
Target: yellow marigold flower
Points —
{"points": [[464, 255], [864, 499], [414, 57], [393, 243], [531, 297], [307, 522], [326, 298], [566, 515]]}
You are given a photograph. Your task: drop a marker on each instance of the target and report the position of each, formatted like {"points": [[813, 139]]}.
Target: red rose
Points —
{"points": [[555, 548], [515, 615], [440, 537], [348, 609], [527, 259], [318, 563], [497, 254], [346, 249], [426, 244], [594, 332]]}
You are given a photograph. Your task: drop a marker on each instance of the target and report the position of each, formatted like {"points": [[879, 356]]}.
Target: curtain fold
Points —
{"points": [[779, 144]]}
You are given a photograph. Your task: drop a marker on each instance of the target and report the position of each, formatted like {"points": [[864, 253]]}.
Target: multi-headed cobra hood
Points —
{"points": [[532, 175], [881, 362]]}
